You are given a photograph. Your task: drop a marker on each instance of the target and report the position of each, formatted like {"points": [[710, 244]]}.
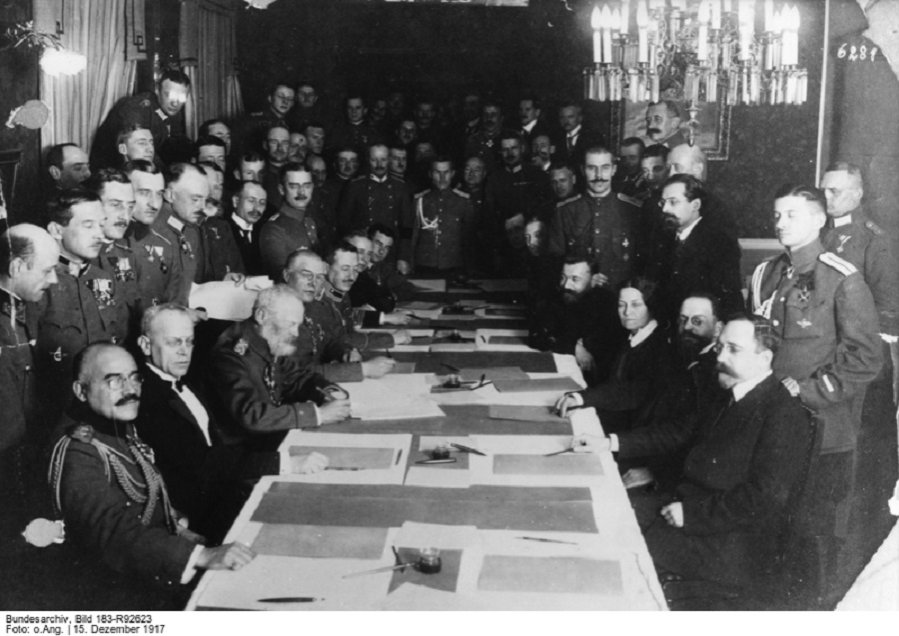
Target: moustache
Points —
{"points": [[131, 397], [723, 368], [654, 131]]}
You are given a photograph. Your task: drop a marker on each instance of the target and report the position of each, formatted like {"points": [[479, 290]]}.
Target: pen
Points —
{"points": [[468, 449], [290, 599], [344, 468], [544, 540], [561, 452], [451, 460], [450, 367]]}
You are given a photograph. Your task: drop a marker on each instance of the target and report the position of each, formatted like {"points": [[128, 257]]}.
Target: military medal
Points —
{"points": [[268, 376], [805, 323], [843, 240]]}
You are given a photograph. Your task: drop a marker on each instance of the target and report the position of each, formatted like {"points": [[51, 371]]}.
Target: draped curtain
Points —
{"points": [[78, 104], [208, 49]]}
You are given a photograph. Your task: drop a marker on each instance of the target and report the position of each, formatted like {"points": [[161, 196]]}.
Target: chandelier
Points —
{"points": [[698, 52]]}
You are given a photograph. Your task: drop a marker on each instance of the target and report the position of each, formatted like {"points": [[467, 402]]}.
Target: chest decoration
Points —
{"points": [[271, 384], [123, 270], [102, 289], [843, 240]]}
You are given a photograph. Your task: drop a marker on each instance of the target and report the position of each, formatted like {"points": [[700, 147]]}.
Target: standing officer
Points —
{"points": [[443, 236], [28, 258], [850, 234], [824, 313], [86, 304], [598, 222]]}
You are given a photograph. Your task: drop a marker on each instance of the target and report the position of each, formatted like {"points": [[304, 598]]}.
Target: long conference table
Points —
{"points": [[517, 523]]}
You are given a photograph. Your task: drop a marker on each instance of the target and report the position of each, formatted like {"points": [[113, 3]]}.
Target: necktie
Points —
{"points": [[178, 385], [570, 141]]}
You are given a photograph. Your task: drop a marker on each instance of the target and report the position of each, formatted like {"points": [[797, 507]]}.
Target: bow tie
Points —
{"points": [[178, 385]]}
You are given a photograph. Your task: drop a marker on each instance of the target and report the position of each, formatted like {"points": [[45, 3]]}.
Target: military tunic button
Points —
{"points": [[783, 299], [775, 322]]}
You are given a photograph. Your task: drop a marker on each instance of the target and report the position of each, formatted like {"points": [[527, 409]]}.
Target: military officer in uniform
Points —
{"points": [[261, 390], [323, 343], [850, 234], [825, 315], [108, 489], [87, 304], [378, 197], [343, 268], [443, 237], [117, 196], [157, 267], [293, 226], [179, 223], [598, 223], [28, 258], [159, 111]]}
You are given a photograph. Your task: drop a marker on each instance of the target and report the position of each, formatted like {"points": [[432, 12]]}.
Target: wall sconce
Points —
{"points": [[56, 60]]}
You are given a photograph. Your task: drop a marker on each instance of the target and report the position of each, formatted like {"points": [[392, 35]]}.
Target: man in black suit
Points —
{"points": [[722, 522], [249, 207], [687, 253], [575, 137], [202, 475]]}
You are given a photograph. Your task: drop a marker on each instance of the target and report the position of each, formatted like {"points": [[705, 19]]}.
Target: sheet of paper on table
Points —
{"points": [[223, 300], [416, 305], [501, 284], [377, 459], [393, 397], [429, 284], [514, 460], [558, 384]]}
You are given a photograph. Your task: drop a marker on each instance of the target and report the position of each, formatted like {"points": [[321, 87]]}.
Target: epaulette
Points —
{"points": [[462, 194], [568, 200], [629, 199], [274, 216], [82, 433], [874, 228], [418, 195], [841, 265]]}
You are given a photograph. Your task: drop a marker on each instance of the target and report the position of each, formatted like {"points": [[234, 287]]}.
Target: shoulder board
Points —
{"points": [[258, 113], [568, 200], [276, 216], [459, 192], [361, 177], [841, 265], [418, 195], [627, 199], [874, 228]]}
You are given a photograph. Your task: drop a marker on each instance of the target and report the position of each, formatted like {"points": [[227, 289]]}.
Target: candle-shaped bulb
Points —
{"points": [[625, 17]]}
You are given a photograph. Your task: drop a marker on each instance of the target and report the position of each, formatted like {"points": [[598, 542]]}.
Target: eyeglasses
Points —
{"points": [[669, 201], [279, 144], [696, 321], [117, 381]]}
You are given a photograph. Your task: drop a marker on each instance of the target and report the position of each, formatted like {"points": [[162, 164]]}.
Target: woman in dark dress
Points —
{"points": [[642, 367]]}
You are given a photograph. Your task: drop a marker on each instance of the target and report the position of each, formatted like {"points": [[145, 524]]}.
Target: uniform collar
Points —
{"points": [[176, 223], [378, 179], [840, 221], [75, 268], [804, 258], [12, 305]]}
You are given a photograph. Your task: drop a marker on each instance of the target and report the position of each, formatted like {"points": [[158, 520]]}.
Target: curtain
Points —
{"points": [[78, 104], [208, 49]]}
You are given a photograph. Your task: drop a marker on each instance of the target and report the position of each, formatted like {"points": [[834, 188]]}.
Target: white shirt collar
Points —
{"points": [[377, 179], [684, 234], [241, 223], [840, 221], [643, 333], [740, 389], [574, 132], [168, 377], [530, 126]]}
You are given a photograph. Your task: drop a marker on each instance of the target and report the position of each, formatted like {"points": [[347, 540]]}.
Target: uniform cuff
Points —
{"points": [[191, 568], [889, 339], [613, 443]]}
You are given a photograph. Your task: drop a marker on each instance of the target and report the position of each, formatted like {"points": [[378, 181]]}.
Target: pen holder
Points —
{"points": [[429, 561], [453, 381]]}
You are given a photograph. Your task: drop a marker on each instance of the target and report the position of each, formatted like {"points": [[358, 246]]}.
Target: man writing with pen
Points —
{"points": [[262, 391]]}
